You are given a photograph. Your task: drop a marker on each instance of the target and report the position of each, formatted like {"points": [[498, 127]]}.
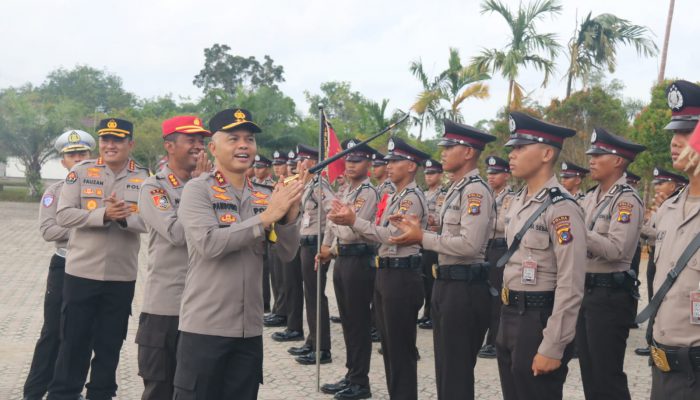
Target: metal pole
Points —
{"points": [[319, 197]]}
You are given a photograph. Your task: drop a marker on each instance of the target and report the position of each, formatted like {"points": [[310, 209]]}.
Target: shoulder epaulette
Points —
{"points": [[262, 185], [591, 190], [677, 194], [557, 195]]}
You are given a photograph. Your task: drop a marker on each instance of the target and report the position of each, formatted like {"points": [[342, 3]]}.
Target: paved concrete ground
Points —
{"points": [[24, 259]]}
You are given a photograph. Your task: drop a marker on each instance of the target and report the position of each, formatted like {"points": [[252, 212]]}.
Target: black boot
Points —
{"points": [[300, 351], [310, 358], [333, 388], [287, 336], [354, 392]]}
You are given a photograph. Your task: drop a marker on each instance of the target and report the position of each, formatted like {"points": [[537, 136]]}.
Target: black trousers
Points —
{"points": [[428, 259], [95, 316], [461, 316], [398, 296], [157, 343], [46, 350], [218, 368], [496, 280], [673, 385], [294, 288], [277, 283], [634, 266], [651, 272], [603, 326], [353, 280], [308, 259], [518, 339]]}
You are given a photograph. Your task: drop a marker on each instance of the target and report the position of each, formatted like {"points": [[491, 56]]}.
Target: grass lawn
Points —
{"points": [[15, 193]]}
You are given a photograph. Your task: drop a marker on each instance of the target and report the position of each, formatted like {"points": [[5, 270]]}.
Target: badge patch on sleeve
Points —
{"points": [[160, 199], [71, 178], [624, 212], [404, 206], [474, 203], [563, 228], [358, 204], [48, 200]]}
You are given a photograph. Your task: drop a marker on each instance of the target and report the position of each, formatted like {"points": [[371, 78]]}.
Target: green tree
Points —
{"points": [[29, 124], [452, 86], [345, 108], [595, 42], [89, 87], [226, 71], [526, 46]]}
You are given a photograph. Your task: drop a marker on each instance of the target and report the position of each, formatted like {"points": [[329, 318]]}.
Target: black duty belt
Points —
{"points": [[355, 249], [462, 272], [399, 262], [498, 242], [309, 240], [527, 299], [680, 359], [605, 280]]}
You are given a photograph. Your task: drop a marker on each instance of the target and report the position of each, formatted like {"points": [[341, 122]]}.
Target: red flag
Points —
{"points": [[336, 168], [694, 140]]}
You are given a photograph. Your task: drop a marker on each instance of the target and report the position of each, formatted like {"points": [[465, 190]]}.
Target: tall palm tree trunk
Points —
{"points": [[664, 51], [510, 94]]}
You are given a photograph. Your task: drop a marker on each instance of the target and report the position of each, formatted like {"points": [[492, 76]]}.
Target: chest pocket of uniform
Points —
{"points": [[451, 221], [536, 240], [602, 224], [131, 195], [91, 197]]}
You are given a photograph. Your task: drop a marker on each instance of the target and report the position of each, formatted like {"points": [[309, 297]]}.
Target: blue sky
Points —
{"points": [[156, 46]]}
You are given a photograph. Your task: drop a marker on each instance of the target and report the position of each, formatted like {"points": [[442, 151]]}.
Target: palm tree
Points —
{"points": [[452, 86], [594, 45], [667, 36], [429, 114], [526, 47]]}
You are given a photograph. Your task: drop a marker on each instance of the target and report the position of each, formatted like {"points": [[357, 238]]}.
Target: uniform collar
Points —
{"points": [[540, 196], [364, 182]]}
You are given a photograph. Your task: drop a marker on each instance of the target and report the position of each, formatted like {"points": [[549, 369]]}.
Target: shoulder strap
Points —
{"points": [[653, 307], [603, 206], [555, 196]]}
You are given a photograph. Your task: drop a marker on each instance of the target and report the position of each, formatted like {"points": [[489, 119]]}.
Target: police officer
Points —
{"points": [[674, 327], [666, 183], [544, 274], [183, 140], [225, 217], [498, 175], [73, 146], [434, 195], [572, 176], [398, 289], [278, 315], [462, 298], [263, 174], [294, 292], [353, 274], [306, 355], [99, 203], [632, 179], [614, 219], [381, 176]]}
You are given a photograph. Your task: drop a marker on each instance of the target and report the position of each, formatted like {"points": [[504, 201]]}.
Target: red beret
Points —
{"points": [[187, 124]]}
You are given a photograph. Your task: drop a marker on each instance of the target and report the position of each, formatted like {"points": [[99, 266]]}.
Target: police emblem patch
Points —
{"points": [[358, 204], [563, 228], [161, 201], [71, 178], [228, 218], [674, 98], [624, 213], [48, 200], [511, 124], [91, 205]]}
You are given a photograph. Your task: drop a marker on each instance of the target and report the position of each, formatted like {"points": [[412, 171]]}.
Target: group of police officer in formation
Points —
{"points": [[531, 278]]}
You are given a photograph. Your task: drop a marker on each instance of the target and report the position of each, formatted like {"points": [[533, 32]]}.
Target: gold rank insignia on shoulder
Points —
{"points": [[658, 356], [505, 296], [219, 177], [290, 179], [173, 180]]}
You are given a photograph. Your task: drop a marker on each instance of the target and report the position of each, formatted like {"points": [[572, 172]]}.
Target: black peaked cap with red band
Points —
{"points": [[400, 150], [683, 99], [604, 142], [465, 135], [525, 130]]}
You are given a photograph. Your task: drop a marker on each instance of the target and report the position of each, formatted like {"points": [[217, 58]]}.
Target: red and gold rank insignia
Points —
{"points": [[71, 178], [624, 212], [222, 196], [160, 199], [474, 203], [173, 180], [218, 189], [563, 228], [228, 218], [94, 172], [219, 178], [92, 192], [91, 205], [358, 204], [132, 165]]}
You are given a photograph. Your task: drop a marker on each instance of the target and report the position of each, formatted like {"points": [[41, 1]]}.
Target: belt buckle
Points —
{"points": [[435, 271], [658, 356], [505, 296], [376, 262]]}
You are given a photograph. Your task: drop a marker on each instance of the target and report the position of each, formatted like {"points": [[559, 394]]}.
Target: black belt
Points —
{"points": [[498, 242], [355, 249], [478, 272], [399, 262], [528, 299], [309, 240], [680, 359], [605, 280]]}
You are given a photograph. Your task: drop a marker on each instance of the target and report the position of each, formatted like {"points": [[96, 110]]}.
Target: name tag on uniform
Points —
{"points": [[529, 276], [695, 307], [306, 221]]}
